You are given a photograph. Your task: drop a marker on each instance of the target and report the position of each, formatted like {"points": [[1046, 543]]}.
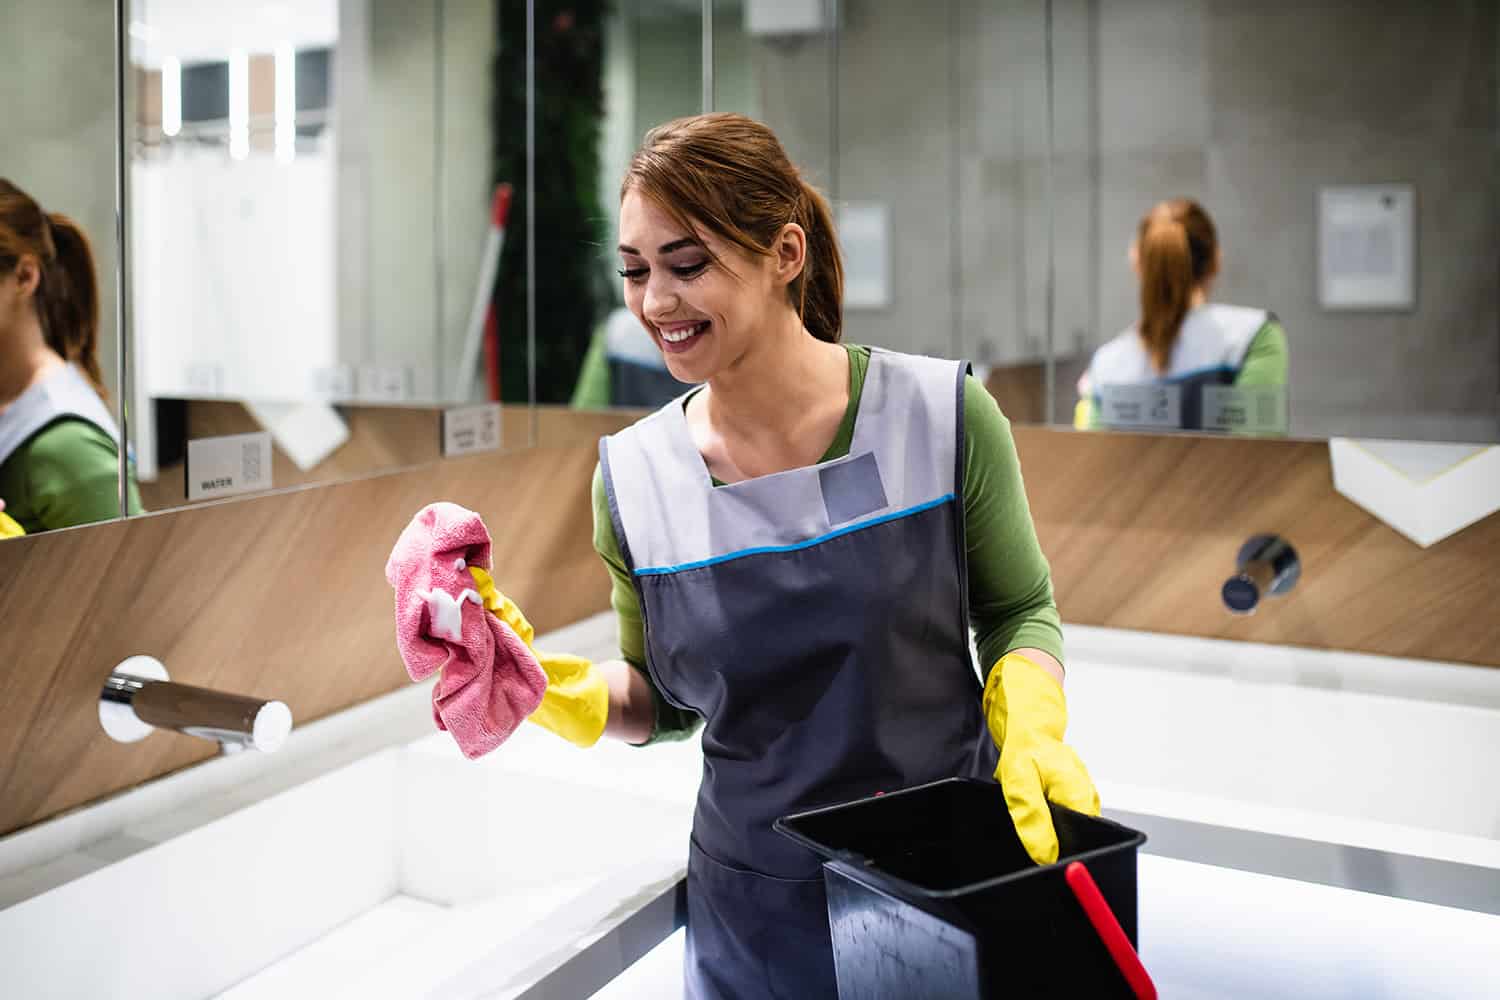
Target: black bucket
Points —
{"points": [[931, 895]]}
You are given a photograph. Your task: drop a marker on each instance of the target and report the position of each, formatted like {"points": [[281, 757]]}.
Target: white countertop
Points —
{"points": [[1216, 934], [367, 844]]}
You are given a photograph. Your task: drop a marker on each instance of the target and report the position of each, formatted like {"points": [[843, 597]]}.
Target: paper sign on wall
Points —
{"points": [[227, 466], [1367, 246], [1141, 405], [467, 429]]}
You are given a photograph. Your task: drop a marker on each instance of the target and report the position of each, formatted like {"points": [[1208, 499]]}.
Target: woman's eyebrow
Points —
{"points": [[664, 248]]}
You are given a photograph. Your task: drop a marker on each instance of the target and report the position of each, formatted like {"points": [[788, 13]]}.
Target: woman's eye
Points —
{"points": [[690, 270], [633, 273]]}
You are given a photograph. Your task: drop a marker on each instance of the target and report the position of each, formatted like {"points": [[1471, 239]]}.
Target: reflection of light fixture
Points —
{"points": [[286, 102], [142, 32], [239, 104], [171, 96]]}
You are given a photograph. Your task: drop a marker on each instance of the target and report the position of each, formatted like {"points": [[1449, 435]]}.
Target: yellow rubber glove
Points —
{"points": [[1027, 715], [8, 526], [576, 703]]}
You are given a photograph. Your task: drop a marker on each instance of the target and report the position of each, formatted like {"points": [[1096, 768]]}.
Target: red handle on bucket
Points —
{"points": [[1109, 930]]}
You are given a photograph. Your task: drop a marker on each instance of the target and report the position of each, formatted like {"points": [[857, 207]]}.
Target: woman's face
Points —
{"points": [[702, 315]]}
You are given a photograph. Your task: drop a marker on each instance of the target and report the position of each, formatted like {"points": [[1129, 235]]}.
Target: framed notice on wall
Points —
{"points": [[1367, 236]]}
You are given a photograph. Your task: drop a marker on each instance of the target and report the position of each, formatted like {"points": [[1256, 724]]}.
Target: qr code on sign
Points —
{"points": [[250, 462]]}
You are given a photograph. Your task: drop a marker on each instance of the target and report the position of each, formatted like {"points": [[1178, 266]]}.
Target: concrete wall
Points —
{"points": [[57, 87], [1248, 107], [1251, 108]]}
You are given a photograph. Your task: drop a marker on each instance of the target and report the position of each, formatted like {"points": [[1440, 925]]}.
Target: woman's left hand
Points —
{"points": [[1027, 715]]}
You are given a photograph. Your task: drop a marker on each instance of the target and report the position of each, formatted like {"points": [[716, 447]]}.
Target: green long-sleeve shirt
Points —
{"points": [[66, 474], [1010, 585]]}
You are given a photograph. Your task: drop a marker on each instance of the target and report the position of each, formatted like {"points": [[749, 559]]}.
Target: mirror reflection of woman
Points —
{"points": [[1181, 338], [59, 446]]}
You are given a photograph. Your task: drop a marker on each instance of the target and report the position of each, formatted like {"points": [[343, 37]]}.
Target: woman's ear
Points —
{"points": [[791, 253], [28, 275]]}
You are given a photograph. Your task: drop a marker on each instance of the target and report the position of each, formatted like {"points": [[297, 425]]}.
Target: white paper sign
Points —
{"points": [[1149, 406], [1367, 246], [227, 466], [1258, 409], [864, 229], [467, 429]]}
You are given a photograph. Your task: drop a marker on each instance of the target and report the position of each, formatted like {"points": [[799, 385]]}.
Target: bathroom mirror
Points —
{"points": [[1348, 156], [665, 59], [316, 219], [57, 74]]}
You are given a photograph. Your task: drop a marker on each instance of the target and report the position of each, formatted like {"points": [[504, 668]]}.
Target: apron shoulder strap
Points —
{"points": [[65, 394]]}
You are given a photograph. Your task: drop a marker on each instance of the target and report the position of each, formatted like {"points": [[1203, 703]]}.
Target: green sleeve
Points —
{"points": [[591, 392], [672, 723], [1267, 361], [1010, 584], [72, 468]]}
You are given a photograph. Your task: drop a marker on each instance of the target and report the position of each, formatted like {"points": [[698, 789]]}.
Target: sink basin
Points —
{"points": [[359, 861]]}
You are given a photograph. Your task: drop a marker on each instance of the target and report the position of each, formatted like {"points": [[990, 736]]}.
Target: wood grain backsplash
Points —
{"points": [[281, 596], [1142, 531], [284, 595]]}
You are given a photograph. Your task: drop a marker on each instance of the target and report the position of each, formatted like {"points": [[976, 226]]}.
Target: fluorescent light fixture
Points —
{"points": [[171, 96], [239, 104], [286, 102]]}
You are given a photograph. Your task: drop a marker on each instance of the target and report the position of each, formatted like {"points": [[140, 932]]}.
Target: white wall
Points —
{"points": [[57, 87], [234, 275]]}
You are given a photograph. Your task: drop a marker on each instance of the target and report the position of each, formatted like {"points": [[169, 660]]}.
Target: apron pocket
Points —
{"points": [[752, 936]]}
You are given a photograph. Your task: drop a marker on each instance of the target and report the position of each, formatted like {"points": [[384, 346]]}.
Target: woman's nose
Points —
{"points": [[659, 301]]}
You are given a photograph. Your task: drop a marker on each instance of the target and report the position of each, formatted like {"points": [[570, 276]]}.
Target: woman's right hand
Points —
{"points": [[8, 526]]}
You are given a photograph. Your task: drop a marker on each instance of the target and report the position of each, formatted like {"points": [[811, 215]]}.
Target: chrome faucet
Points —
{"points": [[1267, 564], [139, 697]]}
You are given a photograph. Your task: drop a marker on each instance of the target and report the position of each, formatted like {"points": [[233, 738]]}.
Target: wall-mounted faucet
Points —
{"points": [[139, 697], [1267, 564]]}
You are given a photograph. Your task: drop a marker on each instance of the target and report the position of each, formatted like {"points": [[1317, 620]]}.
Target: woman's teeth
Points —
{"points": [[680, 334]]}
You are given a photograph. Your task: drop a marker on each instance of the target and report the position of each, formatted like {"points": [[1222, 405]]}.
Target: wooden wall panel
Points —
{"points": [[284, 595], [381, 439], [278, 596], [1142, 531]]}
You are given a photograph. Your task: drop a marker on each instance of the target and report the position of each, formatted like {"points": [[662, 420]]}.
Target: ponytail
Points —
{"points": [[69, 299], [1176, 247], [67, 296], [820, 287]]}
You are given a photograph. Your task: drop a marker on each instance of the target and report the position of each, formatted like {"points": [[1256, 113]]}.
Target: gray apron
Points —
{"points": [[65, 394], [817, 619]]}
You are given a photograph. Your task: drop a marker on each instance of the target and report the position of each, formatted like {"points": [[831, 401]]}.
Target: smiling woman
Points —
{"points": [[810, 534]]}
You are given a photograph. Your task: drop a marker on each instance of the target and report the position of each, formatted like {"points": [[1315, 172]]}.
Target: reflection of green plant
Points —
{"points": [[571, 292]]}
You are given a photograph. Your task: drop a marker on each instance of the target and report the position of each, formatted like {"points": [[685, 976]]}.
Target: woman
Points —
{"points": [[59, 447], [1181, 339], [797, 548]]}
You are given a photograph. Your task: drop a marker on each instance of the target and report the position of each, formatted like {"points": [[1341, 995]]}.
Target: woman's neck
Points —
{"points": [[784, 377], [1199, 297], [25, 360]]}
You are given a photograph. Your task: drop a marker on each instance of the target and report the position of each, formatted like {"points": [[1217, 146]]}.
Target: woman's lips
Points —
{"points": [[679, 337]]}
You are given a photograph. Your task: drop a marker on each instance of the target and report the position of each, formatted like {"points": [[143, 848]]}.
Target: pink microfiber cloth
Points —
{"points": [[491, 680]]}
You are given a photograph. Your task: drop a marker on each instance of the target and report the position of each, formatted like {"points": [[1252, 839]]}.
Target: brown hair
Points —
{"points": [[729, 175], [1176, 252], [67, 297]]}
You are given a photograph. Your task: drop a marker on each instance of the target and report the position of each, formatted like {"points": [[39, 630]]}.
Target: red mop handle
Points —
{"points": [[500, 206], [1109, 930]]}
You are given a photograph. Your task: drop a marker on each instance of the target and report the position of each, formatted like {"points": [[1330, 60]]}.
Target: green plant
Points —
{"points": [[571, 289]]}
